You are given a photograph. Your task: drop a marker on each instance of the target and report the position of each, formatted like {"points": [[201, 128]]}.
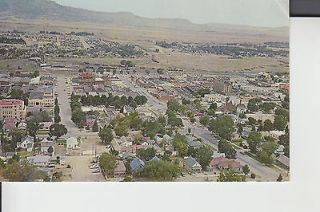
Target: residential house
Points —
{"points": [[222, 163], [26, 143], [137, 165], [73, 143], [120, 170], [192, 165], [45, 145]]}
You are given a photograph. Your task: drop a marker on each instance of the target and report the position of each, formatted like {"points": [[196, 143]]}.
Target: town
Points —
{"points": [[65, 116]]}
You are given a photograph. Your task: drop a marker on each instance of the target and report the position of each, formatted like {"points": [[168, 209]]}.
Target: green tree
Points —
{"points": [[106, 135], [253, 104], [180, 145], [161, 170], [95, 127], [78, 117], [268, 125], [141, 100], [146, 154], [246, 169], [230, 176], [223, 126], [121, 130], [58, 130], [280, 178], [226, 147], [254, 140], [280, 122], [205, 120], [33, 127], [108, 163], [204, 155]]}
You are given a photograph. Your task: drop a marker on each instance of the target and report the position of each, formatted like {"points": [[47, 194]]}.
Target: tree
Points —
{"points": [[265, 158], [254, 140], [246, 170], [253, 104], [213, 106], [204, 155], [121, 130], [108, 163], [161, 170], [226, 147], [78, 117], [22, 172], [32, 127], [223, 126], [141, 100], [58, 130], [106, 135], [95, 127], [267, 106], [280, 122], [146, 154], [268, 125], [230, 176], [152, 128], [50, 150], [180, 145], [280, 178], [204, 120]]}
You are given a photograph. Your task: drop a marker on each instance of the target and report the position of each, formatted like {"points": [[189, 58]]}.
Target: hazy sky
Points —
{"points": [[271, 13]]}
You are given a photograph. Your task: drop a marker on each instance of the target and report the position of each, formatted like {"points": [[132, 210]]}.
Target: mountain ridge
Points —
{"points": [[50, 10]]}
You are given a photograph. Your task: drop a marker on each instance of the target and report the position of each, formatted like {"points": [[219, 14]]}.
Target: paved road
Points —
{"points": [[156, 105], [65, 110], [264, 173]]}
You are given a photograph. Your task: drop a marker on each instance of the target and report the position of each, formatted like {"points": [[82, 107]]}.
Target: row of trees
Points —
{"points": [[77, 115], [116, 101]]}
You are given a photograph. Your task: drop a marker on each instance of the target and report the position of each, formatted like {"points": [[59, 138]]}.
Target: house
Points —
{"points": [[192, 165], [45, 145], [9, 123], [127, 109], [120, 170], [279, 150], [195, 144], [222, 163], [137, 165], [72, 143], [39, 160], [26, 143], [155, 158], [284, 161]]}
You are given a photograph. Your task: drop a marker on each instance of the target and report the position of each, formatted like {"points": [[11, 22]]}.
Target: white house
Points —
{"points": [[72, 143], [45, 145], [26, 143]]}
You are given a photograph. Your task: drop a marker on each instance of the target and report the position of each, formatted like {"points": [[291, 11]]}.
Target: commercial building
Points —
{"points": [[12, 108]]}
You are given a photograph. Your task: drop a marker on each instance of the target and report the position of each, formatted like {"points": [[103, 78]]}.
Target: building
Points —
{"points": [[120, 170], [26, 143], [192, 165], [41, 99], [12, 108], [72, 143], [222, 163], [137, 165]]}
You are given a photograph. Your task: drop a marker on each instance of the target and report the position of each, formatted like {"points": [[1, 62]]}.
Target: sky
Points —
{"points": [[268, 13]]}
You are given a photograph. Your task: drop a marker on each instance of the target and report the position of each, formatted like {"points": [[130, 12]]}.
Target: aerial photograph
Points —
{"points": [[144, 91]]}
